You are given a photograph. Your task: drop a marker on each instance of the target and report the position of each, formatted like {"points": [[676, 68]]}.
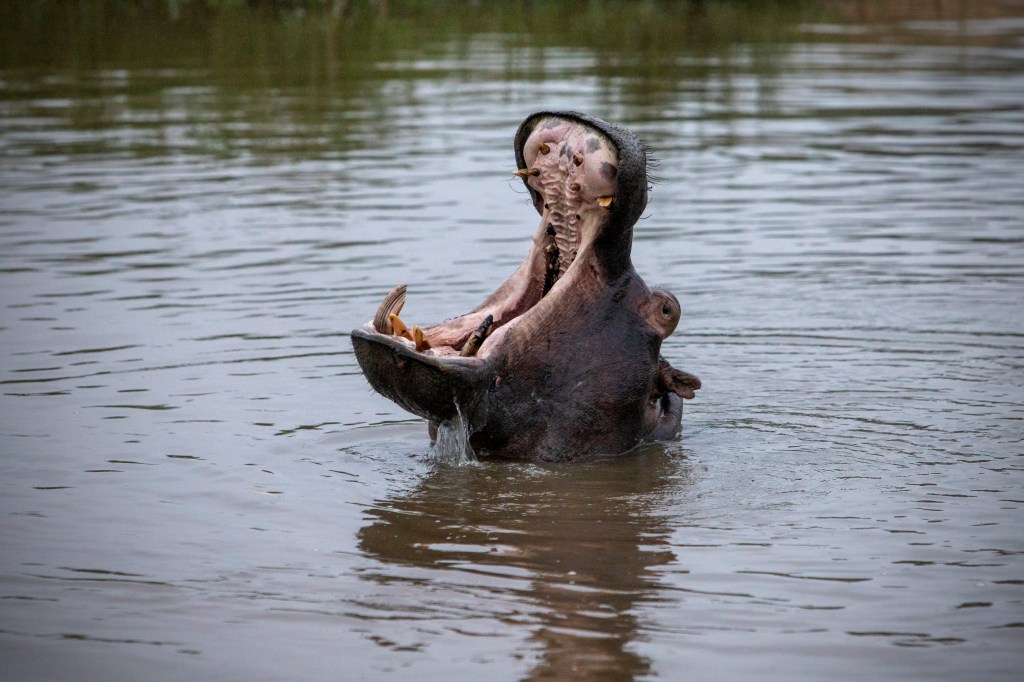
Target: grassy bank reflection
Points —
{"points": [[285, 43], [308, 80]]}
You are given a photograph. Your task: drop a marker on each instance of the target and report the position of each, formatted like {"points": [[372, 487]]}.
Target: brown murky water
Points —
{"points": [[197, 206]]}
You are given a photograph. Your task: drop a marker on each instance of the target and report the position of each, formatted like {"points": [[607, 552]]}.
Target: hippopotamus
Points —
{"points": [[562, 361]]}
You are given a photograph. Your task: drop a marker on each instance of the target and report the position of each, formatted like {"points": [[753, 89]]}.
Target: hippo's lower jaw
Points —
{"points": [[562, 360]]}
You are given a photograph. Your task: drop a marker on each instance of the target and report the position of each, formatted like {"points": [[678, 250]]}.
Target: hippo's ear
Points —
{"points": [[426, 385]]}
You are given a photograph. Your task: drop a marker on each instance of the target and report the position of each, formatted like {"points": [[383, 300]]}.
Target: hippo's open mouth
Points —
{"points": [[515, 360], [571, 170]]}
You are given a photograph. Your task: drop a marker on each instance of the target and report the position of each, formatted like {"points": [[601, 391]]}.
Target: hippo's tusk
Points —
{"points": [[398, 327], [553, 267], [543, 148], [419, 338], [605, 202], [476, 339], [392, 304], [527, 172]]}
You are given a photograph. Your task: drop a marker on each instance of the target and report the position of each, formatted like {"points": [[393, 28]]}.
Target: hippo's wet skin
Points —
{"points": [[562, 360]]}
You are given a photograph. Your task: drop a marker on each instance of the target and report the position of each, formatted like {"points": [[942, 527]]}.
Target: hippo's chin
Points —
{"points": [[569, 343], [432, 386]]}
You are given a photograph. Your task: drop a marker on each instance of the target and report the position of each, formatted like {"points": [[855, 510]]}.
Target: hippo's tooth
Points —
{"points": [[577, 159], [543, 148], [419, 338], [605, 202], [527, 172], [392, 303], [553, 264], [476, 339], [399, 327]]}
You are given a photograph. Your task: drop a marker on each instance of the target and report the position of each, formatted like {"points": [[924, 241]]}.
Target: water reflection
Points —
{"points": [[222, 79], [574, 551]]}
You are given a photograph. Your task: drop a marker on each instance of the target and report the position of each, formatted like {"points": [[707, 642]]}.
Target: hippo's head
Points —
{"points": [[562, 360]]}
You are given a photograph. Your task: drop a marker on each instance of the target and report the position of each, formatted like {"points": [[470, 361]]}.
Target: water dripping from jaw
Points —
{"points": [[452, 444]]}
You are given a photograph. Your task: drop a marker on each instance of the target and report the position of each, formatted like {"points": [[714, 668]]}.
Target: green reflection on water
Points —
{"points": [[289, 77], [331, 43], [279, 79], [316, 45]]}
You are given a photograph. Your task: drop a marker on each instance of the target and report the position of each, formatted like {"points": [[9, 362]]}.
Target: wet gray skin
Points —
{"points": [[562, 361]]}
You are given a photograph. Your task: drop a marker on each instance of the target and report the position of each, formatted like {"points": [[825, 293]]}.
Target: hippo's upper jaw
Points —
{"points": [[562, 360]]}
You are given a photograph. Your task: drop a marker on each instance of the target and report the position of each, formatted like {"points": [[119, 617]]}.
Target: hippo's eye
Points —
{"points": [[666, 309]]}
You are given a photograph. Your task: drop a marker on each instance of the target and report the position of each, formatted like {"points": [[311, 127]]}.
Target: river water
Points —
{"points": [[197, 206]]}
